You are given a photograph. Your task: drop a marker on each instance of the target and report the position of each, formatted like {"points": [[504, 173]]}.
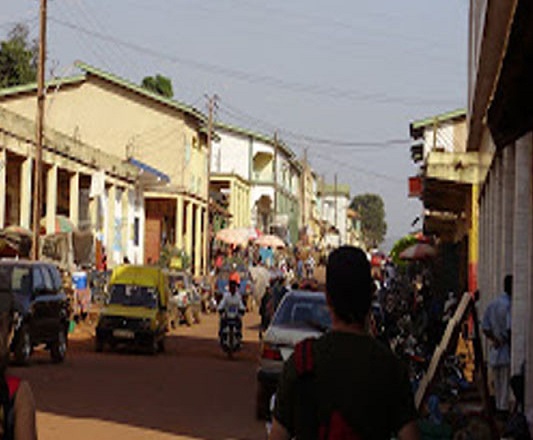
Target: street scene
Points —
{"points": [[246, 220]]}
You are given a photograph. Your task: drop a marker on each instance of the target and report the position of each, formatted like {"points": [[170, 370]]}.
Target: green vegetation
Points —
{"points": [[159, 84], [18, 58], [371, 210], [402, 244]]}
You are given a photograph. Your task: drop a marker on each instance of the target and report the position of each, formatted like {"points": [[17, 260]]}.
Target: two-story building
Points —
{"points": [[158, 135], [261, 175], [335, 201]]}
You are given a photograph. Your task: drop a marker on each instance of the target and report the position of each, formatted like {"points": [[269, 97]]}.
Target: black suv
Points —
{"points": [[41, 306]]}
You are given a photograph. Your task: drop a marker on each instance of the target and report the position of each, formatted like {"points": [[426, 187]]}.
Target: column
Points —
{"points": [[188, 230], [26, 193], [473, 242], [481, 243], [125, 224], [521, 257], [498, 213], [51, 199], [205, 259], [508, 208], [179, 222], [110, 224], [74, 199], [198, 241], [3, 187], [232, 205]]}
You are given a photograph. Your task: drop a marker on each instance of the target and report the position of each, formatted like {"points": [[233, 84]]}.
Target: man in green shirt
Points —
{"points": [[354, 378]]}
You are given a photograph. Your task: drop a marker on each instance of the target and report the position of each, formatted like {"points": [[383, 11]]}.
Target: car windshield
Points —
{"points": [[304, 311], [133, 295]]}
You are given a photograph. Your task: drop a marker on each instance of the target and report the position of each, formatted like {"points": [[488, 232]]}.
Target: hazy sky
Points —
{"points": [[351, 72]]}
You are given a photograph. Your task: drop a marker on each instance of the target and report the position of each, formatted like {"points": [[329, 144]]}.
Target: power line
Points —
{"points": [[312, 89]]}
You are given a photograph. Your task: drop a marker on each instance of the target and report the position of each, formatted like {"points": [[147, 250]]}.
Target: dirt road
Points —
{"points": [[192, 391]]}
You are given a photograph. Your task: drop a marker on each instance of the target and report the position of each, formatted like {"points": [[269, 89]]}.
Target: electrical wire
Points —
{"points": [[312, 89]]}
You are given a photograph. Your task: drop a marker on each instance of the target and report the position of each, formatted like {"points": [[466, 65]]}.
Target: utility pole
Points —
{"points": [[275, 175], [335, 199], [37, 176], [304, 190], [211, 105]]}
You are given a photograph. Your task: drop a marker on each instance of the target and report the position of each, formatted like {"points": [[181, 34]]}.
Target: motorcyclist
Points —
{"points": [[232, 298]]}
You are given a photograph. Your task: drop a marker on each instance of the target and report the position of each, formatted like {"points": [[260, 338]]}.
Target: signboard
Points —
{"points": [[415, 186]]}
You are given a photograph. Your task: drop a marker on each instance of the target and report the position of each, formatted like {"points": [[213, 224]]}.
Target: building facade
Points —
{"points": [[500, 126], [160, 135], [335, 201]]}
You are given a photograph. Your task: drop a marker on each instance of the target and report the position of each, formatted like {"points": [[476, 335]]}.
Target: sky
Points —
{"points": [[342, 78]]}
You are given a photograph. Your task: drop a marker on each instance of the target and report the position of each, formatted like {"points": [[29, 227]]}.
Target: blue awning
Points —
{"points": [[145, 168]]}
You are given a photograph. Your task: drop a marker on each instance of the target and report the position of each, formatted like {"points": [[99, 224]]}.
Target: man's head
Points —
{"points": [[233, 286], [508, 285], [349, 284]]}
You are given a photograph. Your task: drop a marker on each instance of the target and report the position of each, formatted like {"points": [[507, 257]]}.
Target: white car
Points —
{"points": [[300, 315]]}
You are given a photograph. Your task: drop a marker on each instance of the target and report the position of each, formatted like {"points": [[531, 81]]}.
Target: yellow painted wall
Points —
{"points": [[117, 120]]}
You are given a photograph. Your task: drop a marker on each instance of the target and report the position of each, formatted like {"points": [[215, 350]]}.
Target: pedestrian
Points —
{"points": [[496, 326], [345, 384], [17, 405], [310, 266]]}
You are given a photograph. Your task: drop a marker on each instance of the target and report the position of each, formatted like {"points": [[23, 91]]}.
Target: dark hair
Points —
{"points": [[508, 284], [349, 284]]}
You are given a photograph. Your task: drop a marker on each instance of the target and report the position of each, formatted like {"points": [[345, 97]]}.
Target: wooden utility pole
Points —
{"points": [[275, 175], [38, 165], [335, 199], [304, 189], [211, 104]]}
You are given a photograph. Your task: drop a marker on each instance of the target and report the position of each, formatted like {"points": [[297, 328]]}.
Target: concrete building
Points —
{"points": [[94, 189], [335, 203], [500, 125], [159, 135], [272, 172], [448, 185]]}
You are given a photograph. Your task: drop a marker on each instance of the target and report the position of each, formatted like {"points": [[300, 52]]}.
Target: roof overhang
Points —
{"points": [[497, 21], [445, 196], [148, 175]]}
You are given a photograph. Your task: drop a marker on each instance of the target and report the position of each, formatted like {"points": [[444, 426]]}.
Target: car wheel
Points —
{"points": [[58, 348], [98, 344], [161, 345], [262, 401], [189, 317], [23, 346]]}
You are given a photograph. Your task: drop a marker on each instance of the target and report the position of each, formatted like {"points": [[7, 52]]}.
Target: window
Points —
{"points": [[56, 278], [48, 283]]}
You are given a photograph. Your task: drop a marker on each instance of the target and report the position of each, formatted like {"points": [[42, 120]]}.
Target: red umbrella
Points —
{"points": [[418, 251]]}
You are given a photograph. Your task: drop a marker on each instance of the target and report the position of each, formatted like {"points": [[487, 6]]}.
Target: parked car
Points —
{"points": [[222, 281], [41, 306], [136, 311], [185, 301], [301, 314]]}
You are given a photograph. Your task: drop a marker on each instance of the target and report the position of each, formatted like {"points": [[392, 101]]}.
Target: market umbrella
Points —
{"points": [[270, 240], [63, 224], [236, 236], [418, 251], [15, 241]]}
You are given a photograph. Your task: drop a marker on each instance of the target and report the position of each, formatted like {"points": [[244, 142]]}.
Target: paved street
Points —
{"points": [[192, 391]]}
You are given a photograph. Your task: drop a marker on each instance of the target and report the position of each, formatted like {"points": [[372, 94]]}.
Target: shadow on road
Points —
{"points": [[192, 390]]}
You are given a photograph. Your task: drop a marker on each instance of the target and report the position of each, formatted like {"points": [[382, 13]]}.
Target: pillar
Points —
{"points": [[26, 193], [508, 208], [188, 229], [521, 255], [74, 199], [110, 223], [206, 256], [126, 225], [473, 242], [233, 205], [198, 241], [51, 199], [179, 222], [3, 187], [498, 213]]}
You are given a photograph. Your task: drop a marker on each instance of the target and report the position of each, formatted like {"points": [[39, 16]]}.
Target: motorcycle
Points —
{"points": [[230, 333]]}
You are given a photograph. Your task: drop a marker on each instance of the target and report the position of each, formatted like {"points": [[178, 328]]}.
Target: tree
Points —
{"points": [[371, 210], [18, 58], [159, 84], [401, 245]]}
